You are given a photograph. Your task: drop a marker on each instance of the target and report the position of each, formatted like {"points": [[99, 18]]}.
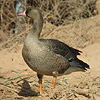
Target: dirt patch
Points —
{"points": [[17, 81]]}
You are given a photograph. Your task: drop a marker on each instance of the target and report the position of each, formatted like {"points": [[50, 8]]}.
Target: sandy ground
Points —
{"points": [[18, 81]]}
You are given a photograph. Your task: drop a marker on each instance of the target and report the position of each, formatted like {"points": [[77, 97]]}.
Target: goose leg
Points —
{"points": [[40, 81], [54, 82], [55, 74]]}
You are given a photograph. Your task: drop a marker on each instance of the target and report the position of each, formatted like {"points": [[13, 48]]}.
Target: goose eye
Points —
{"points": [[26, 12]]}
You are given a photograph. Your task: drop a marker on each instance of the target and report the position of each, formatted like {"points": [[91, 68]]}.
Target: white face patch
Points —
{"points": [[24, 12]]}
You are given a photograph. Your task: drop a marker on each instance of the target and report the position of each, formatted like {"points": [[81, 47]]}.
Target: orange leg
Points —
{"points": [[40, 83], [54, 82]]}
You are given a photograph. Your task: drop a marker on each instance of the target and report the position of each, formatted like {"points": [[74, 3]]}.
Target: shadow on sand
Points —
{"points": [[26, 90]]}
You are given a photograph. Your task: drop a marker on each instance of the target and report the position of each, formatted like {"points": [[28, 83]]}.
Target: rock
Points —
{"points": [[84, 92], [98, 6]]}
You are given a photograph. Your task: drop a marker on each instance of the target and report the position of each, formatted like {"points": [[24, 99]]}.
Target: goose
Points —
{"points": [[48, 56]]}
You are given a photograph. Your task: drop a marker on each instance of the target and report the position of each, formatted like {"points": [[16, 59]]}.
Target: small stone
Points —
{"points": [[98, 6], [83, 92]]}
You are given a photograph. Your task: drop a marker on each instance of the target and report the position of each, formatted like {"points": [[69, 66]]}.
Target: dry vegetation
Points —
{"points": [[56, 12]]}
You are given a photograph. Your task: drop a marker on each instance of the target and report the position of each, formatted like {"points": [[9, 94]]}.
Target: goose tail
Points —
{"points": [[79, 63]]}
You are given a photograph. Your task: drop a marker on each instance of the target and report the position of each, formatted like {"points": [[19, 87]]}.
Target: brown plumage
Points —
{"points": [[48, 56]]}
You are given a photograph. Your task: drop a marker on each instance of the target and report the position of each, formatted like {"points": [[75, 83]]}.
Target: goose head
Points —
{"points": [[34, 14], [36, 19]]}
